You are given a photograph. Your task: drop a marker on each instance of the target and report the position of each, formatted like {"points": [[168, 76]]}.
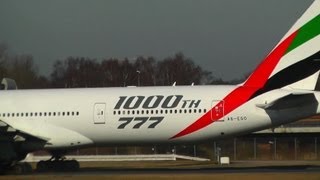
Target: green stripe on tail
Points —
{"points": [[306, 32]]}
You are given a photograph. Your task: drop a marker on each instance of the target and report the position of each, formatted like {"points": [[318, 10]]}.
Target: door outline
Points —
{"points": [[217, 110], [99, 113]]}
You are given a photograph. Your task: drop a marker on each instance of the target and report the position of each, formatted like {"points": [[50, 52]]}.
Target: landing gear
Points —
{"points": [[21, 168], [17, 169], [58, 164]]}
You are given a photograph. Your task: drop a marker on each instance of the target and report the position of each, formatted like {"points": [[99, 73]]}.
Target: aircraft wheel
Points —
{"points": [[74, 165], [18, 169], [27, 167], [42, 166]]}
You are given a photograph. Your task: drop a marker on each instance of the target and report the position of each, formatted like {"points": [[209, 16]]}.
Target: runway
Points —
{"points": [[164, 171], [182, 171]]}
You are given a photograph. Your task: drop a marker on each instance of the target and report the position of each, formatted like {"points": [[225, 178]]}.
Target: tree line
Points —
{"points": [[74, 72], [112, 72]]}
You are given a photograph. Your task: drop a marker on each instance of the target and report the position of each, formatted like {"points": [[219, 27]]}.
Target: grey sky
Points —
{"points": [[226, 37]]}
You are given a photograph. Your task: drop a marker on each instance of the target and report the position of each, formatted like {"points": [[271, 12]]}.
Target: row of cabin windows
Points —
{"points": [[35, 114], [166, 111]]}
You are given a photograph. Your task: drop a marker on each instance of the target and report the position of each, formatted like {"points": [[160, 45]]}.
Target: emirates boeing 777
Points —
{"points": [[279, 91]]}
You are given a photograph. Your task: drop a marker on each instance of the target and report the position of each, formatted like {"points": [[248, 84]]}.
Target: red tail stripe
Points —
{"points": [[260, 76], [243, 93]]}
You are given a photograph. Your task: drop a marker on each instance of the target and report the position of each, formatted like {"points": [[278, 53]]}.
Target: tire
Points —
{"points": [[74, 165], [27, 168], [42, 166], [18, 169]]}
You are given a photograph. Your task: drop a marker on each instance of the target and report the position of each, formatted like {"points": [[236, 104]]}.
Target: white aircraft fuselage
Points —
{"points": [[135, 115]]}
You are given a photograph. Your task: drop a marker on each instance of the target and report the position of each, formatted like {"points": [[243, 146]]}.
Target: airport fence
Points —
{"points": [[250, 147]]}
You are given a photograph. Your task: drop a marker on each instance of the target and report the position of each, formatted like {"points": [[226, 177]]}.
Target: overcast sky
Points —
{"points": [[226, 37]]}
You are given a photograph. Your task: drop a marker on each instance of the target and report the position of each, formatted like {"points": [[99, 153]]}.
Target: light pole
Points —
{"points": [[138, 77]]}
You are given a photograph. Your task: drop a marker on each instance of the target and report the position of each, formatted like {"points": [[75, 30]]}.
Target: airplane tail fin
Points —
{"points": [[295, 61]]}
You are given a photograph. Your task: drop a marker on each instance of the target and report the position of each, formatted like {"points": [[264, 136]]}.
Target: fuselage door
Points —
{"points": [[99, 113], [217, 112]]}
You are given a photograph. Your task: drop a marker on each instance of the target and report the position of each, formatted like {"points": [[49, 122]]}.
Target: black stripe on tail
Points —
{"points": [[292, 74]]}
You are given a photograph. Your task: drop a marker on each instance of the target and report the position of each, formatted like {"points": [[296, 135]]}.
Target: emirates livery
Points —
{"points": [[279, 91]]}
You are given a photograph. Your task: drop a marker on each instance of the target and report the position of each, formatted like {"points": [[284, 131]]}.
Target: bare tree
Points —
{"points": [[181, 70], [3, 59], [24, 72], [85, 72]]}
